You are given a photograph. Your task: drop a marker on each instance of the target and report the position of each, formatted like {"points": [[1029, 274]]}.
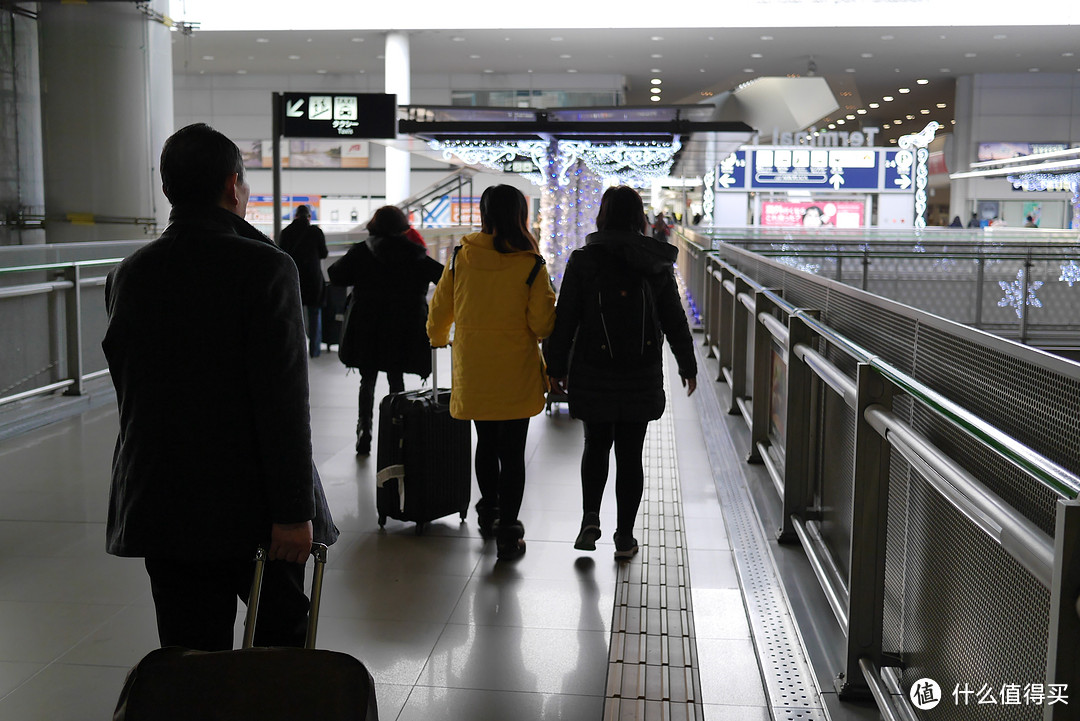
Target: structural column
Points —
{"points": [[107, 108], [398, 162]]}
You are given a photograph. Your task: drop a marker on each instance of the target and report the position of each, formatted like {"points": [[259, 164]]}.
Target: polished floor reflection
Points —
{"points": [[447, 632]]}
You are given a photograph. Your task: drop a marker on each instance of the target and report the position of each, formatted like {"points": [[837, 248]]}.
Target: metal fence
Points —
{"points": [[52, 309], [929, 471]]}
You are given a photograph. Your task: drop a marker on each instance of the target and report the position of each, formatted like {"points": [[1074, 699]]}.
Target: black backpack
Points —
{"points": [[620, 327]]}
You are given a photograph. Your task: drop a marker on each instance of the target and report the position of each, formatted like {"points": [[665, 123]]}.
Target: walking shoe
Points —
{"points": [[589, 533], [363, 444], [625, 546], [510, 541], [486, 519]]}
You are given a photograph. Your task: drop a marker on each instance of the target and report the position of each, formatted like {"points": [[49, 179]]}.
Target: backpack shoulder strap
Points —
{"points": [[537, 265], [453, 259]]}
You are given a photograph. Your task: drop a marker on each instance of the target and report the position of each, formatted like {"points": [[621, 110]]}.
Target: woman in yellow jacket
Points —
{"points": [[500, 301]]}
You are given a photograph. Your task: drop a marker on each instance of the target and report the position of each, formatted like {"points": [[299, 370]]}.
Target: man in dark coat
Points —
{"points": [[306, 245], [387, 316], [617, 392], [205, 345]]}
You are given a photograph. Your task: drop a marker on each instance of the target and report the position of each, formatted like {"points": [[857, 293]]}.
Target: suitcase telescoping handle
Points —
{"points": [[318, 552]]}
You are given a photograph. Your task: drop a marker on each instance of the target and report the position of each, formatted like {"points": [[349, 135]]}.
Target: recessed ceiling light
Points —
{"points": [[875, 105], [564, 56], [924, 111], [475, 57], [766, 37], [887, 37], [380, 57], [841, 121], [898, 122], [953, 122], [655, 98], [262, 40], [887, 98], [355, 40], [892, 140], [861, 111], [294, 57], [971, 55], [321, 72], [488, 70], [910, 117], [944, 70], [702, 69], [655, 90], [756, 55], [207, 57], [905, 91], [656, 81], [1000, 36], [656, 70], [459, 39], [923, 81], [849, 70], [832, 126], [1066, 55], [748, 70], [656, 38], [1033, 70], [850, 117], [712, 38], [867, 55], [656, 56], [886, 126], [557, 39], [571, 70], [309, 40], [241, 72]]}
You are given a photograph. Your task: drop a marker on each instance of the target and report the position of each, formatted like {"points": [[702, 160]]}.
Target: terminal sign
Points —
{"points": [[353, 115]]}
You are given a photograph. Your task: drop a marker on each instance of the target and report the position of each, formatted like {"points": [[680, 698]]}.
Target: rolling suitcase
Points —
{"points": [[333, 313], [251, 684], [424, 457]]}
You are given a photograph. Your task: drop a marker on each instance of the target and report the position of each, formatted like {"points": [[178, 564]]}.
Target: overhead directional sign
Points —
{"points": [[348, 115], [783, 168]]}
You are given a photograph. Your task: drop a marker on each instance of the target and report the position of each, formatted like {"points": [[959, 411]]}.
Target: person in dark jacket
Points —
{"points": [[388, 310], [205, 345], [306, 245], [617, 399]]}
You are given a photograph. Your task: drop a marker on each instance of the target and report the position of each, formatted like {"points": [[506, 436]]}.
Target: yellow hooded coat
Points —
{"points": [[498, 319]]}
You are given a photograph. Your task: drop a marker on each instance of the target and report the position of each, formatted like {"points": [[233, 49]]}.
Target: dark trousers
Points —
{"points": [[313, 322], [367, 396], [196, 602], [629, 439], [500, 466]]}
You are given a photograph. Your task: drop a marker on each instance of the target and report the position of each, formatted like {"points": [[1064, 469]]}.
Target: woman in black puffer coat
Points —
{"points": [[617, 301], [385, 323]]}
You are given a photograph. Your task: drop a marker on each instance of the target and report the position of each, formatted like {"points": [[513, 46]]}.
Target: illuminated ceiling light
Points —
{"points": [[945, 70], [1066, 55], [702, 69], [488, 70], [294, 57], [942, 105], [1033, 70], [849, 70], [1000, 36], [886, 126], [898, 122], [875, 105], [910, 117], [867, 55], [832, 126], [954, 122], [766, 38], [656, 38], [241, 72], [841, 121], [656, 81], [888, 98], [266, 40], [748, 70], [971, 55], [475, 57], [923, 81], [458, 39], [654, 91], [564, 56], [861, 111], [656, 56], [905, 91], [556, 39], [321, 72], [571, 70], [211, 57], [924, 111], [355, 40], [850, 117], [655, 98], [892, 140], [756, 56], [887, 37]]}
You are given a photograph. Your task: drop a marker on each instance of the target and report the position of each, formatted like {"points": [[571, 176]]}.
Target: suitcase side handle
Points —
{"points": [[319, 553]]}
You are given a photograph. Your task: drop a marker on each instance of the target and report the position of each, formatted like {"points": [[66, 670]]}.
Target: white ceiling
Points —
{"points": [[861, 64]]}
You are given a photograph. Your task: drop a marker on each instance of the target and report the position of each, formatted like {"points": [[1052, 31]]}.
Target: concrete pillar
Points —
{"points": [[963, 149], [107, 108], [398, 162]]}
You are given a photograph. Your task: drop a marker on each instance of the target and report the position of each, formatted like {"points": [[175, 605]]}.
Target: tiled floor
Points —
{"points": [[447, 633]]}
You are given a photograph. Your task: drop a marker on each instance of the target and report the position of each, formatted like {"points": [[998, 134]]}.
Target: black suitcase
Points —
{"points": [[251, 684], [424, 457], [333, 313]]}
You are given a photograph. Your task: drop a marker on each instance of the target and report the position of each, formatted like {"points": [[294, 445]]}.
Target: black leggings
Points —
{"points": [[500, 465], [629, 439], [367, 396]]}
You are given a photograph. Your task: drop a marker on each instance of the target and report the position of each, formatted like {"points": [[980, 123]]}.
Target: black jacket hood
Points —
{"points": [[395, 249], [646, 255]]}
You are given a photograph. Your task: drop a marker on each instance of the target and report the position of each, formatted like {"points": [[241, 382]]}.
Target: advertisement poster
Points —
{"points": [[260, 208], [333, 154], [814, 214], [1032, 215], [1004, 151]]}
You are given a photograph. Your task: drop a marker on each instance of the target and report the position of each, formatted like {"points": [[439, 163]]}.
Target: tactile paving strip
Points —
{"points": [[789, 685], [652, 664]]}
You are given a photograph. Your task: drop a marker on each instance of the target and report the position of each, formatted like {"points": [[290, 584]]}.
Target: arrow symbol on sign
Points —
{"points": [[836, 181], [292, 110], [904, 182], [725, 180]]}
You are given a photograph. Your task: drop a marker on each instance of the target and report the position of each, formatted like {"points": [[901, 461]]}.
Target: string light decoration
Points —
{"points": [[1070, 273], [1014, 294], [631, 163], [495, 154], [919, 142], [708, 198], [1039, 182]]}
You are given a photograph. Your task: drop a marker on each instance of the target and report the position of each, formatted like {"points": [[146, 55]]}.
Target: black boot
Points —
{"points": [[363, 443], [486, 516], [510, 541]]}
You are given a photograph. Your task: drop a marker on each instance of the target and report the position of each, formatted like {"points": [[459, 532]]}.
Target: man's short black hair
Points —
{"points": [[195, 163]]}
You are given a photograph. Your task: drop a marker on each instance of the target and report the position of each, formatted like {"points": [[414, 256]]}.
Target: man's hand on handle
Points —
{"points": [[690, 384], [290, 542]]}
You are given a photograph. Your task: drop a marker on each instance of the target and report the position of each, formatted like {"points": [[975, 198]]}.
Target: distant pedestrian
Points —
{"points": [[617, 302], [956, 222], [661, 229], [306, 244], [974, 222]]}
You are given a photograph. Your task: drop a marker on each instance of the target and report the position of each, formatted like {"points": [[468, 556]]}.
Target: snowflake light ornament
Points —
{"points": [[1014, 292], [1070, 273]]}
